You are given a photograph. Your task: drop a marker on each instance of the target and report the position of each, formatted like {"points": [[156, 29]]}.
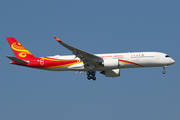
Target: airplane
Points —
{"points": [[108, 64]]}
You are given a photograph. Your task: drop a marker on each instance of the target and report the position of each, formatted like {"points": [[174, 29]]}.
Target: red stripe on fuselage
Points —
{"points": [[46, 63], [55, 63], [128, 62]]}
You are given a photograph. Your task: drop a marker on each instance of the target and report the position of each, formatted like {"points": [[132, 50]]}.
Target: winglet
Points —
{"points": [[57, 39]]}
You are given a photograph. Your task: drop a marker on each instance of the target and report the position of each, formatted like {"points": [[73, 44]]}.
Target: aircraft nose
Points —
{"points": [[172, 61]]}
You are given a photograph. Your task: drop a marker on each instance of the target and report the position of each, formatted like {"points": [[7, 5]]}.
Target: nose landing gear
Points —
{"points": [[91, 75], [164, 70]]}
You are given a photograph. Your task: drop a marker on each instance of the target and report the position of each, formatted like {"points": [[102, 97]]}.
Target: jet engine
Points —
{"points": [[111, 63], [111, 73]]}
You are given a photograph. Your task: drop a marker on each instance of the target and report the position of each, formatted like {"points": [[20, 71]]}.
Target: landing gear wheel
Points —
{"points": [[93, 73], [87, 73], [164, 68], [89, 77], [94, 78], [163, 72]]}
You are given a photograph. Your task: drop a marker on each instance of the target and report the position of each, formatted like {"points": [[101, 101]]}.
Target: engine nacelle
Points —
{"points": [[111, 63], [111, 73]]}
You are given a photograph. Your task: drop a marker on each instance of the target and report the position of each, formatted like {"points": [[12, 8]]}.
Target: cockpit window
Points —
{"points": [[167, 56]]}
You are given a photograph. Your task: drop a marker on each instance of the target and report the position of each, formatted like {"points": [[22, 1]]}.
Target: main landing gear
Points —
{"points": [[164, 69], [91, 75]]}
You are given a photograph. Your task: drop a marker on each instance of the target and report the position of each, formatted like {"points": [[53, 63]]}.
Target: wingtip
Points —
{"points": [[57, 39]]}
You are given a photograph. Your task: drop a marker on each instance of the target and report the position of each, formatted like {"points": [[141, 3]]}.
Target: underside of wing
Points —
{"points": [[90, 61]]}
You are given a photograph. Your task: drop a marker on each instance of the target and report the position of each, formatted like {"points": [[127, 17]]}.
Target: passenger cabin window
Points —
{"points": [[167, 56]]}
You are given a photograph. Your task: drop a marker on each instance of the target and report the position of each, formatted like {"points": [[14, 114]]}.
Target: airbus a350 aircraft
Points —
{"points": [[81, 61]]}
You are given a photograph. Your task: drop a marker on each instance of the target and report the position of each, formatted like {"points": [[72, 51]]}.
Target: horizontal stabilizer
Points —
{"points": [[16, 59]]}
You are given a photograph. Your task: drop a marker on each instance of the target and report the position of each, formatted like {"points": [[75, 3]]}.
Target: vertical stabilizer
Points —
{"points": [[19, 51]]}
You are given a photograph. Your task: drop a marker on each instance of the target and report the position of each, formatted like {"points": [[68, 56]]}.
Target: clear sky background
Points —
{"points": [[95, 26]]}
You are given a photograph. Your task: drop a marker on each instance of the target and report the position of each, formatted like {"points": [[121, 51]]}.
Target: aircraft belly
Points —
{"points": [[57, 69], [79, 66]]}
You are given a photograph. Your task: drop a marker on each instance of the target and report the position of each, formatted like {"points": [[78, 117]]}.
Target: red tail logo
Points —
{"points": [[19, 51]]}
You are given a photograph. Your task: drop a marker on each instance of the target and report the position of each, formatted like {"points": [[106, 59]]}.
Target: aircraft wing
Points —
{"points": [[87, 58]]}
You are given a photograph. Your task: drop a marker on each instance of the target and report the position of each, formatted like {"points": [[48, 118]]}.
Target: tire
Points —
{"points": [[94, 78], [87, 72], [163, 72], [88, 77]]}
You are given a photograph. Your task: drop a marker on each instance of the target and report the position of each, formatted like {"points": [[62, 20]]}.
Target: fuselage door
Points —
{"points": [[127, 56], [157, 56]]}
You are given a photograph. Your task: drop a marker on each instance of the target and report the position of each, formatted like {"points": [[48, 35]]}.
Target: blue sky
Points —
{"points": [[96, 26]]}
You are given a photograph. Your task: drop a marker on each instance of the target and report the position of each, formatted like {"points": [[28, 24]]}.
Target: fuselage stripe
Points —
{"points": [[128, 62]]}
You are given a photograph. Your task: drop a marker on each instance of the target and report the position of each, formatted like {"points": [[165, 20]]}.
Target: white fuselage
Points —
{"points": [[126, 60], [108, 64]]}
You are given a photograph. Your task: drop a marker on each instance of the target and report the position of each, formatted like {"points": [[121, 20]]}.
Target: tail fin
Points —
{"points": [[19, 51]]}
